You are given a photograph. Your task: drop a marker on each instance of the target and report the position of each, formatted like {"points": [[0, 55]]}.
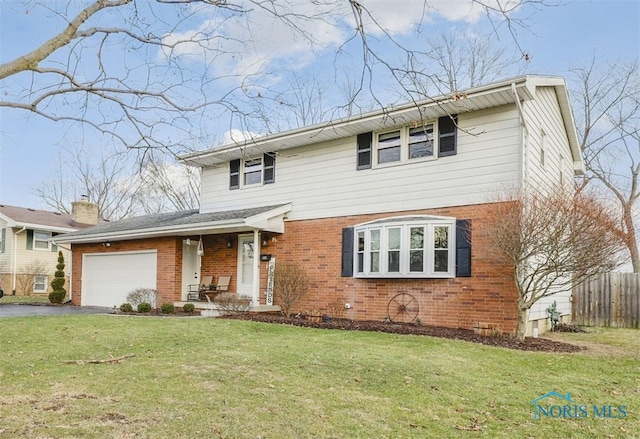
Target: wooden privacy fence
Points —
{"points": [[612, 300]]}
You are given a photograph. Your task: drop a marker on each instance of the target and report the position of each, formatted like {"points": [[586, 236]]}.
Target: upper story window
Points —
{"points": [[2, 239], [405, 144], [405, 247], [252, 171], [41, 240]]}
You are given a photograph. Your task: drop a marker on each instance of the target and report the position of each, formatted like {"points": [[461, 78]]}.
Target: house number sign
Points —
{"points": [[271, 271]]}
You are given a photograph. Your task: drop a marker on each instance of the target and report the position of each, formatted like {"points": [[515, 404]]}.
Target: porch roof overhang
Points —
{"points": [[185, 223]]}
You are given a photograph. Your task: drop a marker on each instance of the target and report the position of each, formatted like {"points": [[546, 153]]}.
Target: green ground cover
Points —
{"points": [[196, 377]]}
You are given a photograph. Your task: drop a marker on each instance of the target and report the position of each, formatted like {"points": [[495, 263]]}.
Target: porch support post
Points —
{"points": [[255, 294]]}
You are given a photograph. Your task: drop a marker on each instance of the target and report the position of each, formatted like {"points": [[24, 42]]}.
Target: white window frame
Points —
{"points": [[46, 240], [365, 256], [45, 282], [404, 144]]}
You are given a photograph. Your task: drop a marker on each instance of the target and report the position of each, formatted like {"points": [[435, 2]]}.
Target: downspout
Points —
{"points": [[524, 136], [15, 258]]}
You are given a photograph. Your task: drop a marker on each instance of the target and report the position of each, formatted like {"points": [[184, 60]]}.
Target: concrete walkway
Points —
{"points": [[17, 310]]}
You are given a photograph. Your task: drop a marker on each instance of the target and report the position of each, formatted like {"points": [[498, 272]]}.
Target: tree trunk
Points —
{"points": [[521, 328]]}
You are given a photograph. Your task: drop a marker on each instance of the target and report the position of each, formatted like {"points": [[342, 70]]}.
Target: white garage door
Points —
{"points": [[107, 278]]}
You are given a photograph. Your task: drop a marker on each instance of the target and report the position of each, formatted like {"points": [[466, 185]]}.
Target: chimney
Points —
{"points": [[84, 212]]}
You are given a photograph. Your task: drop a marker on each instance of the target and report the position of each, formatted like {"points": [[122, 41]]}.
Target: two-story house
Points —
{"points": [[28, 257], [384, 211]]}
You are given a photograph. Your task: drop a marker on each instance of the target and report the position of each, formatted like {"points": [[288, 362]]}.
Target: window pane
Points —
{"points": [[389, 147], [416, 261], [394, 238], [253, 171], [360, 257], [421, 142], [40, 283], [375, 239], [41, 245], [394, 261], [441, 261], [375, 262], [441, 237], [417, 238]]}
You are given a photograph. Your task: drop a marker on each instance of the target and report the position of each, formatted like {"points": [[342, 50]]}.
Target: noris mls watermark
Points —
{"points": [[558, 406]]}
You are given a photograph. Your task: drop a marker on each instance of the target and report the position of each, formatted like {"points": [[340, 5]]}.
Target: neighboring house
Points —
{"points": [[28, 257], [373, 206]]}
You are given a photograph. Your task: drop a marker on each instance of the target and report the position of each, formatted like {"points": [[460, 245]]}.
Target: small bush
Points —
{"points": [[168, 308], [143, 295], [144, 307], [291, 284], [57, 296], [232, 304], [126, 307], [188, 308]]}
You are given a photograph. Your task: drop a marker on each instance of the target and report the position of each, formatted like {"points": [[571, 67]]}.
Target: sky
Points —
{"points": [[558, 38]]}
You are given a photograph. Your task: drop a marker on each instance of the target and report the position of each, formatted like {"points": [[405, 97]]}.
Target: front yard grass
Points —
{"points": [[218, 378], [41, 298]]}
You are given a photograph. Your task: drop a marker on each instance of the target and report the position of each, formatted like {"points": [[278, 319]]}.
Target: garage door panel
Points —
{"points": [[107, 278]]}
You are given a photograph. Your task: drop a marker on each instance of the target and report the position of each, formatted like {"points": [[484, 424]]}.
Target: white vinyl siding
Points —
{"points": [[321, 180]]}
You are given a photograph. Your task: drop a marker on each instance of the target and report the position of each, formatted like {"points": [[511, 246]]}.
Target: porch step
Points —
{"points": [[211, 310]]}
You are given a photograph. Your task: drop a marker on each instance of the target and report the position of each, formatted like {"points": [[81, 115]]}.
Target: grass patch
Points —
{"points": [[240, 379], [44, 298]]}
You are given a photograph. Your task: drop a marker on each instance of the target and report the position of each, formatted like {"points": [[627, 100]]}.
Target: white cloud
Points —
{"points": [[237, 136], [251, 43]]}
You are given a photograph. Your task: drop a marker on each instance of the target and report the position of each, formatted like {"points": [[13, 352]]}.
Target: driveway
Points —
{"points": [[15, 310]]}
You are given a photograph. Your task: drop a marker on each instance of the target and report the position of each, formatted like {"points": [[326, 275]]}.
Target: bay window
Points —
{"points": [[405, 247]]}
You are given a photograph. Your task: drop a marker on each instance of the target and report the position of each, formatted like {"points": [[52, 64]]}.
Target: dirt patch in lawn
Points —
{"points": [[504, 341]]}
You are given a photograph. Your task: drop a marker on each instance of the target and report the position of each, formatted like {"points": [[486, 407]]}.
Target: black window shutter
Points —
{"points": [[463, 248], [447, 135], [234, 174], [364, 150], [269, 161], [347, 252], [29, 239]]}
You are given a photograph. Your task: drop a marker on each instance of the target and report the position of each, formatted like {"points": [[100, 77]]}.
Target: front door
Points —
{"points": [[245, 265], [190, 266]]}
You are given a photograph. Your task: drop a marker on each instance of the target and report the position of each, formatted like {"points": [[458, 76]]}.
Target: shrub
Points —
{"points": [[290, 284], [231, 304], [126, 307], [144, 307], [57, 296], [143, 295], [168, 308], [188, 308]]}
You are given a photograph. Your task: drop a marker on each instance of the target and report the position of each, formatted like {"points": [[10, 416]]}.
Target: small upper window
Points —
{"points": [[41, 240], [254, 171]]}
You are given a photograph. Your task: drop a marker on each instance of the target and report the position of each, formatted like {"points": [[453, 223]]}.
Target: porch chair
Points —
{"points": [[196, 289], [223, 284]]}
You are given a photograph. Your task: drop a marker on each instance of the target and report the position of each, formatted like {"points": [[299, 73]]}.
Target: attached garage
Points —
{"points": [[107, 278]]}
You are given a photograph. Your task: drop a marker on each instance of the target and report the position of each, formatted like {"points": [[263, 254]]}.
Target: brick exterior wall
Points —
{"points": [[488, 296]]}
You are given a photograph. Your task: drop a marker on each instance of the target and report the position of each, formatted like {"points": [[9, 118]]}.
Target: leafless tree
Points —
{"points": [[26, 276], [109, 179], [607, 100], [457, 61], [126, 69], [553, 241], [290, 284]]}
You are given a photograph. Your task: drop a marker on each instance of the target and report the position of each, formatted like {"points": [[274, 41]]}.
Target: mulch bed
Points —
{"points": [[505, 341]]}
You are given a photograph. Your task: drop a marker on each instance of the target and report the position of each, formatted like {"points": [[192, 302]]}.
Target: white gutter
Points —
{"points": [[15, 258]]}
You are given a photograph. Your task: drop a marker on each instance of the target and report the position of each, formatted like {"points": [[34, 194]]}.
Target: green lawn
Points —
{"points": [[208, 378], [7, 298]]}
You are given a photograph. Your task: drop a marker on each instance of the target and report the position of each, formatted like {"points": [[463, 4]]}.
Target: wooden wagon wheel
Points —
{"points": [[403, 308]]}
